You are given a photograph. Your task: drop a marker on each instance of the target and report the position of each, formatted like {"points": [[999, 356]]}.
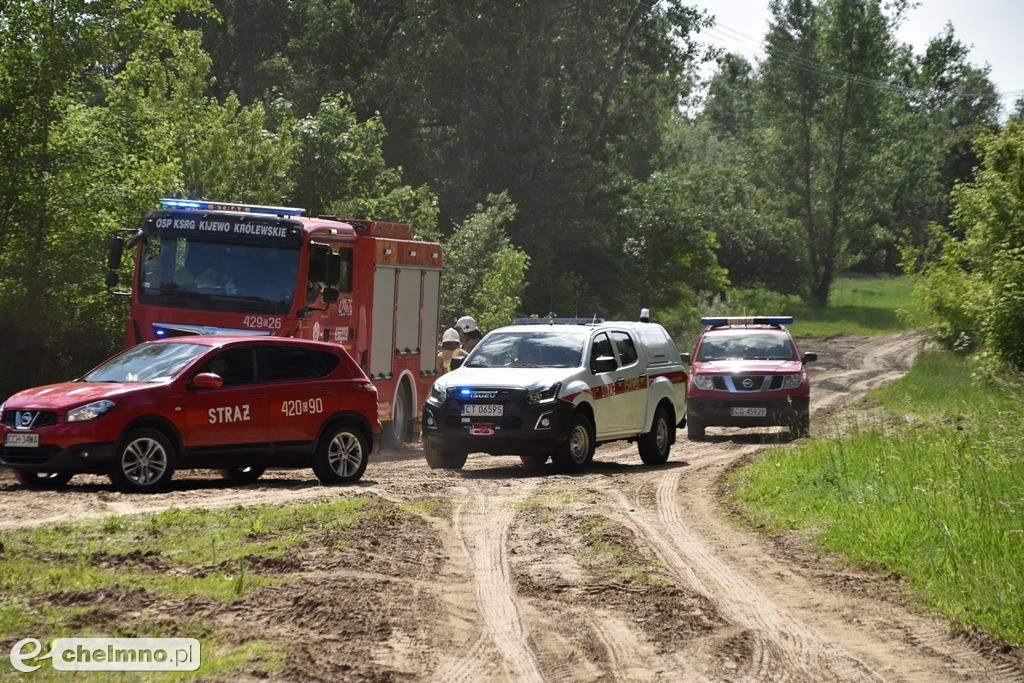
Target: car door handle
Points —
{"points": [[619, 380]]}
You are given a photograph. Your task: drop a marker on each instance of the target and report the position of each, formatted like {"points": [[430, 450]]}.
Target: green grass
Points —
{"points": [[937, 498], [176, 554], [861, 305]]}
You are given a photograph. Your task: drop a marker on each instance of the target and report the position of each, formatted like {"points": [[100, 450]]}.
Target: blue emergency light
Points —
{"points": [[222, 206], [755, 320], [465, 392]]}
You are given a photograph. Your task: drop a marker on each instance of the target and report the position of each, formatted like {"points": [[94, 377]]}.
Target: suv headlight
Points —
{"points": [[90, 411], [703, 382], [544, 395], [792, 381]]}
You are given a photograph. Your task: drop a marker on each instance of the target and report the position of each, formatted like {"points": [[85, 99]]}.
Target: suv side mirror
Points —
{"points": [[685, 357], [603, 364], [809, 357], [207, 380], [112, 279], [457, 362]]}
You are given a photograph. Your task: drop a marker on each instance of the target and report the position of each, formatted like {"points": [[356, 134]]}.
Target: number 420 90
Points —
{"points": [[301, 407]]}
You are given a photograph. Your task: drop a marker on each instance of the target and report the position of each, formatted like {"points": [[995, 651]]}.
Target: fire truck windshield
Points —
{"points": [[219, 276]]}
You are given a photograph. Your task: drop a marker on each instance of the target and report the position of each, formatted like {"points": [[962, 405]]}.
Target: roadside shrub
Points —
{"points": [[974, 289]]}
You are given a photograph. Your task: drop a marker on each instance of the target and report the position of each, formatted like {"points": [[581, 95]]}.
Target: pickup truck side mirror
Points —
{"points": [[603, 364], [685, 357], [809, 357], [457, 362]]}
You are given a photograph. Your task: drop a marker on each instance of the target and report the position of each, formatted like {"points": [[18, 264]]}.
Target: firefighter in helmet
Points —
{"points": [[468, 332], [450, 348]]}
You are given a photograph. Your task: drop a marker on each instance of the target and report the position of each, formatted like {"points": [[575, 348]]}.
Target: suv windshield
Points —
{"points": [[528, 350], [746, 345], [219, 276], [147, 363]]}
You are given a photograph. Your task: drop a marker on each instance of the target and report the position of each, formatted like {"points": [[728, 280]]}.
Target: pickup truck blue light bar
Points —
{"points": [[221, 206], [755, 320], [557, 321]]}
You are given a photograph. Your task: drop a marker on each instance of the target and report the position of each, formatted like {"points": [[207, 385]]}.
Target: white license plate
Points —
{"points": [[748, 412], [13, 440], [483, 410]]}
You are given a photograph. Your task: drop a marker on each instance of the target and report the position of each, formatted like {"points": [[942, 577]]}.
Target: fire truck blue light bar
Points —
{"points": [[755, 320], [221, 206]]}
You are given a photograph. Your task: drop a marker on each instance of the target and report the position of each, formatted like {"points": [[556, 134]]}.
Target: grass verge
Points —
{"points": [[937, 495]]}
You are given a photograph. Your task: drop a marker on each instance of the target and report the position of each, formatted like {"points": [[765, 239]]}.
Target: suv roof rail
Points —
{"points": [[557, 321], [774, 320]]}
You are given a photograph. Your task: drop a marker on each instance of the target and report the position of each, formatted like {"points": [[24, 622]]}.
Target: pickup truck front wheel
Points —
{"points": [[575, 453]]}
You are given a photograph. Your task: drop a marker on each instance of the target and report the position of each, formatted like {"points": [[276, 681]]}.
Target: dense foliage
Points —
{"points": [[566, 140], [974, 287]]}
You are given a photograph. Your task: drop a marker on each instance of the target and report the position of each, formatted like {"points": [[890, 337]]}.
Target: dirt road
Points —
{"points": [[626, 572]]}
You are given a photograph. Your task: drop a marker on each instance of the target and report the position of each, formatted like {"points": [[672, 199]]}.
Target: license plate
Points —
{"points": [[483, 410], [748, 412], [21, 440]]}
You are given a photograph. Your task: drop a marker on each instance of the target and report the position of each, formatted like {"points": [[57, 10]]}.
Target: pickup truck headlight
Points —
{"points": [[544, 395], [703, 382], [90, 411], [792, 381], [437, 395]]}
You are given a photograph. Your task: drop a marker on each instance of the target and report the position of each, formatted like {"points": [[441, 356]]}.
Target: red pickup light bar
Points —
{"points": [[755, 320]]}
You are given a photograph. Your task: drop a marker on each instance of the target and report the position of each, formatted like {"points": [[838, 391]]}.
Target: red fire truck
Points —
{"points": [[213, 268]]}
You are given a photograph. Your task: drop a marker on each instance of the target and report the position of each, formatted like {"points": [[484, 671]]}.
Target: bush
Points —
{"points": [[974, 289]]}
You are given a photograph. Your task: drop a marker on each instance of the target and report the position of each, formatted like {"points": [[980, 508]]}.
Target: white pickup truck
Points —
{"points": [[558, 390]]}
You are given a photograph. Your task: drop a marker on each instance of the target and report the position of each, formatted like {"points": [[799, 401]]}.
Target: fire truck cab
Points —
{"points": [[372, 287]]}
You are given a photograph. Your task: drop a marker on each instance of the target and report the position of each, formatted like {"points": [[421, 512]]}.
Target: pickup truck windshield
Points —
{"points": [[528, 350], [746, 345], [219, 276]]}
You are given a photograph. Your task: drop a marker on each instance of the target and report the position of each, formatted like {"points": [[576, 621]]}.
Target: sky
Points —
{"points": [[993, 29]]}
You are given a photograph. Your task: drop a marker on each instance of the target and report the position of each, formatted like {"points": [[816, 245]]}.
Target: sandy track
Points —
{"points": [[524, 594]]}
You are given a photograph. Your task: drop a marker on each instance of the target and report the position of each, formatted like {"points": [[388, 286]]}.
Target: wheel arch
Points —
{"points": [[160, 424], [347, 416]]}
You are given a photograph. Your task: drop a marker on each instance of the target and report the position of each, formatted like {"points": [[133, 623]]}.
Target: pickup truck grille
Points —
{"points": [[743, 384]]}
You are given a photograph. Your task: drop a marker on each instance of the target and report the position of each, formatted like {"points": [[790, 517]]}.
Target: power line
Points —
{"points": [[758, 47]]}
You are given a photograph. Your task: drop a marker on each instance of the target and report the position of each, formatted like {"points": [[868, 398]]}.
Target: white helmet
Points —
{"points": [[450, 335], [466, 324]]}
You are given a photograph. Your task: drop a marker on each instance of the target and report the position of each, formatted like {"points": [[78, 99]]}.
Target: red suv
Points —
{"points": [[237, 404], [747, 372]]}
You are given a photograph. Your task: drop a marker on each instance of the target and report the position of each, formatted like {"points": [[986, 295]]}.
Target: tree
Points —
{"points": [[63, 163], [820, 105], [729, 108], [483, 272]]}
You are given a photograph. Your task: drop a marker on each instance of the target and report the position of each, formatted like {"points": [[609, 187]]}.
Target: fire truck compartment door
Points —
{"points": [[407, 317], [431, 314], [382, 347]]}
